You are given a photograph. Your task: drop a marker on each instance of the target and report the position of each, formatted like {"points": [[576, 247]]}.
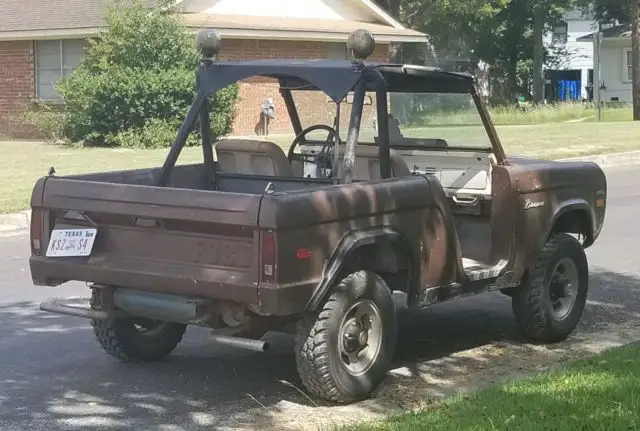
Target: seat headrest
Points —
{"points": [[250, 156]]}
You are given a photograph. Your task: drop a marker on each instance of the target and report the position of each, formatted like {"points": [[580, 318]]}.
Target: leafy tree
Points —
{"points": [[544, 12], [137, 81], [610, 10], [506, 34]]}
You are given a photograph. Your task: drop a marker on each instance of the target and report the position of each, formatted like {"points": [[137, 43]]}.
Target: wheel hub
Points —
{"points": [[351, 338]]}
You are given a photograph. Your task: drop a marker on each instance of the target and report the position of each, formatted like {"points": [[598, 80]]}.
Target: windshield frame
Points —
{"points": [[420, 79]]}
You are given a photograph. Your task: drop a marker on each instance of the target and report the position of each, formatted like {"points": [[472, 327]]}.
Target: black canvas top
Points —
{"points": [[336, 78]]}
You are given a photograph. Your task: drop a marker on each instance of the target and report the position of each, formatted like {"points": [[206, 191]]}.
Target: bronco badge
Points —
{"points": [[528, 204]]}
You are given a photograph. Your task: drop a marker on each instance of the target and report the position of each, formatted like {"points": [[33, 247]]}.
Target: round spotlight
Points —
{"points": [[208, 43], [361, 44]]}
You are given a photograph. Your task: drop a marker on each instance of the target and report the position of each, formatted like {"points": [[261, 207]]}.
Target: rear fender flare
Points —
{"points": [[349, 244]]}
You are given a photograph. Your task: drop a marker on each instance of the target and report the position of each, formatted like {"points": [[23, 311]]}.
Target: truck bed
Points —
{"points": [[201, 244]]}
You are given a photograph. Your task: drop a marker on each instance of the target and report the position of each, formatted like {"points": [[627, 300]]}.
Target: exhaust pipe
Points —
{"points": [[242, 343]]}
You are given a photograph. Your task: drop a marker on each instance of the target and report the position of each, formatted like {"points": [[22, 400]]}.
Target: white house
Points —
{"points": [[614, 79], [574, 71]]}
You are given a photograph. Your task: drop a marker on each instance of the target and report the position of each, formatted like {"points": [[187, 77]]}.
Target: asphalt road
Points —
{"points": [[53, 375]]}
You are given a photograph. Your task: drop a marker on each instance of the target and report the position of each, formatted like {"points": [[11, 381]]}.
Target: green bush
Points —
{"points": [[47, 120], [137, 78], [156, 133]]}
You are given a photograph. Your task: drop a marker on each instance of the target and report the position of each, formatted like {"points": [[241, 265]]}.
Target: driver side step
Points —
{"points": [[477, 271]]}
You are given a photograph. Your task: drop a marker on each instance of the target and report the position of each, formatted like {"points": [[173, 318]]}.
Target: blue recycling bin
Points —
{"points": [[568, 90]]}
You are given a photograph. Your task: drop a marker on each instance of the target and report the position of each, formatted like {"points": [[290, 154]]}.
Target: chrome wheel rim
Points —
{"points": [[360, 337], [563, 288]]}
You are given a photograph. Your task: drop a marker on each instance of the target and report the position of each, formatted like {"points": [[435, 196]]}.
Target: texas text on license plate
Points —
{"points": [[71, 242]]}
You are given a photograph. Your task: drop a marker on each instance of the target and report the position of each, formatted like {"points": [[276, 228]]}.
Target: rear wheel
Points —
{"points": [[136, 339], [549, 305], [344, 350]]}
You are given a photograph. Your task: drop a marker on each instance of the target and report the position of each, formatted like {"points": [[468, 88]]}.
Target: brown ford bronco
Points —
{"points": [[415, 195]]}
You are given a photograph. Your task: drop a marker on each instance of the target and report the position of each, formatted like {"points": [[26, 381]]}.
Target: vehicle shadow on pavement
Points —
{"points": [[54, 375]]}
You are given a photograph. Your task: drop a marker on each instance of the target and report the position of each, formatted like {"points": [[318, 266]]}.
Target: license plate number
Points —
{"points": [[71, 242]]}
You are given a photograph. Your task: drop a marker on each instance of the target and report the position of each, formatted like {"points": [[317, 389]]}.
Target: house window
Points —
{"points": [[336, 51], [55, 59], [627, 65], [560, 33]]}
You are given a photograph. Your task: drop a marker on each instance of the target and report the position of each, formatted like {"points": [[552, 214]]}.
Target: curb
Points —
{"points": [[609, 160], [14, 223]]}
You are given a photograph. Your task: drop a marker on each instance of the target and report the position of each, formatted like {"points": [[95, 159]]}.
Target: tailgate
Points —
{"points": [[181, 241]]}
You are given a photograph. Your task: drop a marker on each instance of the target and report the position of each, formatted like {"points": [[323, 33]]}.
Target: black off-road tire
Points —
{"points": [[531, 303], [318, 359], [121, 339]]}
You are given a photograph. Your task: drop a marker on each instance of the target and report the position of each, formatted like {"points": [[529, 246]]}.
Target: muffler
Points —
{"points": [[241, 343], [159, 306]]}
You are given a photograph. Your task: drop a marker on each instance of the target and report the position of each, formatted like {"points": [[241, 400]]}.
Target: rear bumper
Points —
{"points": [[159, 277], [182, 280]]}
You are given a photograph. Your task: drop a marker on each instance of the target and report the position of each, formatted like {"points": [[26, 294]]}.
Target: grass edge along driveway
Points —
{"points": [[600, 393]]}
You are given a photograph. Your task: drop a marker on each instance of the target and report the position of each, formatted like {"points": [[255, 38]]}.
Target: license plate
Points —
{"points": [[71, 242]]}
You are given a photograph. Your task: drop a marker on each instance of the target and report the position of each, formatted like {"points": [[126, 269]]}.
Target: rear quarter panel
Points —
{"points": [[319, 220]]}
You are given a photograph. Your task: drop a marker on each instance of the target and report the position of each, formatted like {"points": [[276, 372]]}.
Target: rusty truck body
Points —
{"points": [[254, 239]]}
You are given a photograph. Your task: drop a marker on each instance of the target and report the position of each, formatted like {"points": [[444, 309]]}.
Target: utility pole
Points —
{"points": [[635, 57], [538, 54], [598, 80]]}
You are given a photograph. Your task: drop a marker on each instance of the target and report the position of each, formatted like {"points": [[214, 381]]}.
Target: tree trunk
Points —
{"points": [[538, 54], [635, 57]]}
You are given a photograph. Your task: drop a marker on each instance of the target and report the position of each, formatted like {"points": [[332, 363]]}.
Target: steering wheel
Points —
{"points": [[300, 137]]}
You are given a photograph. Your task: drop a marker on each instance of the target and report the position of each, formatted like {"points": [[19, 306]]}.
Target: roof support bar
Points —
{"points": [[207, 145], [354, 130]]}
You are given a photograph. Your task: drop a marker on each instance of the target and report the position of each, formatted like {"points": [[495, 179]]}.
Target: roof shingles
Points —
{"points": [[32, 17], [35, 15]]}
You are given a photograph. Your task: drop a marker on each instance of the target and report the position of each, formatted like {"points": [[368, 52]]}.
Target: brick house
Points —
{"points": [[43, 40]]}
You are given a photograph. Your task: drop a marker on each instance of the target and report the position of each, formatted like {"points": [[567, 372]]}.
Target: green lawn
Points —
{"points": [[558, 113], [602, 393], [24, 162], [544, 114]]}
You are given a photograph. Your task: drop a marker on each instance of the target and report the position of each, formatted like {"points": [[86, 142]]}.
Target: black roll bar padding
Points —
{"points": [[181, 139], [384, 146], [289, 103]]}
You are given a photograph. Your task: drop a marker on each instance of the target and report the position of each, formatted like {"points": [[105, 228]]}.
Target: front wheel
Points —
{"points": [[344, 351], [549, 304]]}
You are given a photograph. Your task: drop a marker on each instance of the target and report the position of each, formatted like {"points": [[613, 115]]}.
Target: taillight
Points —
{"points": [[36, 232], [268, 256]]}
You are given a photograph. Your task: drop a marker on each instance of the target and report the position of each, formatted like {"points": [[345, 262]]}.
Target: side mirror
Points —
{"points": [[367, 100]]}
